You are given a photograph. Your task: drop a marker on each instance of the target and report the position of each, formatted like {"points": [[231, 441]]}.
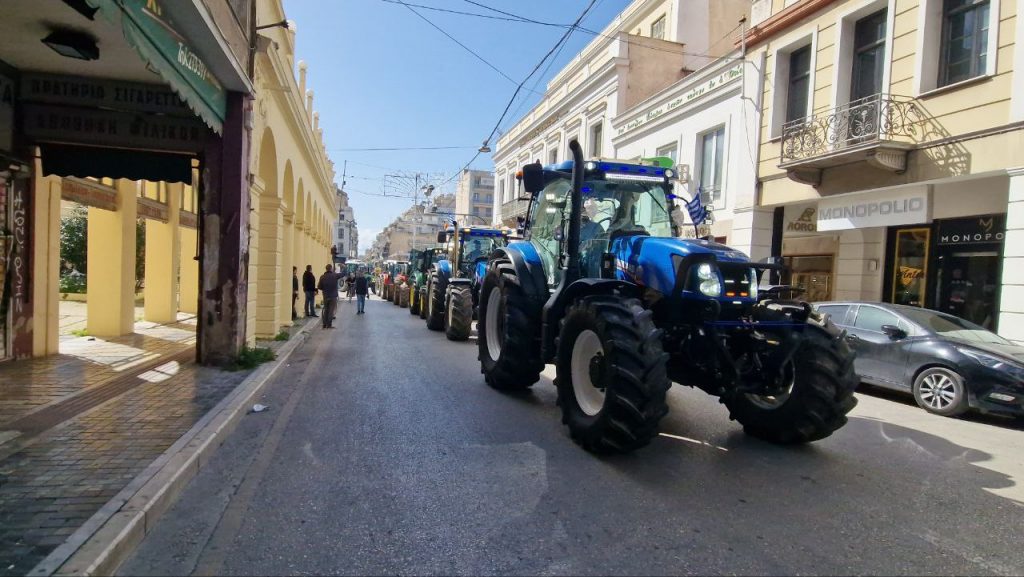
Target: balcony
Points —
{"points": [[513, 208], [879, 130]]}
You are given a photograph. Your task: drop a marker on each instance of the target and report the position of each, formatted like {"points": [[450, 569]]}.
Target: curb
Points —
{"points": [[107, 538]]}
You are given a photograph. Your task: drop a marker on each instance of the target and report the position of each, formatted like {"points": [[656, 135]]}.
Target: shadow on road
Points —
{"points": [[1003, 421]]}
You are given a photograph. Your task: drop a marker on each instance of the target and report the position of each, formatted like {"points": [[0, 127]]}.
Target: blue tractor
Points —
{"points": [[453, 285], [603, 288]]}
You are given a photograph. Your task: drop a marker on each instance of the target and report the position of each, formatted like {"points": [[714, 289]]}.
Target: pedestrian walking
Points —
{"points": [[309, 287], [361, 287], [295, 290], [329, 287], [350, 285]]}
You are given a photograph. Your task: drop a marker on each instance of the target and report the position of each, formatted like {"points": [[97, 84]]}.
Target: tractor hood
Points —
{"points": [[647, 260]]}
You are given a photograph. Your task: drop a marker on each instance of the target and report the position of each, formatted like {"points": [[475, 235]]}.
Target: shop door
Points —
{"points": [[967, 285]]}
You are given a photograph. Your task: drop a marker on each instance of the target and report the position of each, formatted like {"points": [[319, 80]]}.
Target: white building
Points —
{"points": [[648, 47], [346, 231], [709, 130]]}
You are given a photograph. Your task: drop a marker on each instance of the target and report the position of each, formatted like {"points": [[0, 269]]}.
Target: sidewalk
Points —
{"points": [[75, 428]]}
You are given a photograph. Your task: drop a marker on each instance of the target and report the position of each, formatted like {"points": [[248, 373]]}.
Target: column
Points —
{"points": [[225, 237], [1011, 300], [163, 259], [188, 288], [285, 291], [752, 231], [45, 246], [111, 269], [254, 260], [268, 314]]}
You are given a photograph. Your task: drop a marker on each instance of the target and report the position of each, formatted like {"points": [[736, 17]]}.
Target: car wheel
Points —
{"points": [[941, 391]]}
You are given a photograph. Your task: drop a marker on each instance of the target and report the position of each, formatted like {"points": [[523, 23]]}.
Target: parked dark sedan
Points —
{"points": [[950, 365]]}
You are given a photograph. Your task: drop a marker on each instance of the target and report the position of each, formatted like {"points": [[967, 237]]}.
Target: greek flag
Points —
{"points": [[697, 212]]}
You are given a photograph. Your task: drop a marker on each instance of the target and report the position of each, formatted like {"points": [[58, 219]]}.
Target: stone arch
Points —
{"points": [[270, 235], [285, 303]]}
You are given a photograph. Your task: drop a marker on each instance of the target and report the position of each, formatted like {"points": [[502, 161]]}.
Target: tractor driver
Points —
{"points": [[623, 221]]}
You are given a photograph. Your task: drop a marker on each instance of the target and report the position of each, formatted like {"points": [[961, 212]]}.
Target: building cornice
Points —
{"points": [[781, 21]]}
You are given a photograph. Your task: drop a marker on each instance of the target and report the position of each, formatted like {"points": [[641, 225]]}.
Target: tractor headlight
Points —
{"points": [[708, 281]]}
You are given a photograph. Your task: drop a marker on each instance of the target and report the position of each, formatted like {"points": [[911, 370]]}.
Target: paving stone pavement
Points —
{"points": [[60, 478]]}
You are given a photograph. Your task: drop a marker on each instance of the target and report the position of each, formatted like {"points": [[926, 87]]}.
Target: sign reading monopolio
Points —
{"points": [[884, 208]]}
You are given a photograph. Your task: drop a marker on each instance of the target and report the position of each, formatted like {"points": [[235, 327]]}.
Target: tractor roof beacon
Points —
{"points": [[602, 287]]}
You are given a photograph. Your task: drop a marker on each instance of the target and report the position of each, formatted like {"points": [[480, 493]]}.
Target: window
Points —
{"points": [[476, 196], [964, 40], [658, 28], [712, 157], [799, 84], [837, 312], [553, 156], [489, 198], [501, 190], [873, 318], [596, 136], [669, 151]]}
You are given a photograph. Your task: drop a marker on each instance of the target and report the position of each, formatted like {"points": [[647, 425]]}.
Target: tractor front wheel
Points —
{"points": [[421, 301], [403, 296], [611, 374], [435, 304], [459, 320], [817, 395], [414, 300], [507, 331]]}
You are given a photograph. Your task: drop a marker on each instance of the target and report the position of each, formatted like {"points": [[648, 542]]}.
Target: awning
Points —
{"points": [[154, 36], [95, 161]]}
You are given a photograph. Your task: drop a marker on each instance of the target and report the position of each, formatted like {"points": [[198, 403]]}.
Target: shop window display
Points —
{"points": [[910, 267]]}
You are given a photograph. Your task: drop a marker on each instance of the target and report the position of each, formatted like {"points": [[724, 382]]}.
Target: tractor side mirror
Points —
{"points": [[533, 177], [520, 225]]}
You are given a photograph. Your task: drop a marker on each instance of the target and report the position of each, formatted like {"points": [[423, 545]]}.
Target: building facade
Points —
{"points": [[890, 133], [417, 227], [648, 47], [708, 129], [474, 197], [346, 230]]}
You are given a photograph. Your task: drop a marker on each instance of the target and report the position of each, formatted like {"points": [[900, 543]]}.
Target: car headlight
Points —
{"points": [[708, 281], [990, 361]]}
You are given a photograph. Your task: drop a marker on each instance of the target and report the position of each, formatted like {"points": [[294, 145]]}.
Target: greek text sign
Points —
{"points": [[873, 210], [695, 93], [59, 124], [100, 93]]}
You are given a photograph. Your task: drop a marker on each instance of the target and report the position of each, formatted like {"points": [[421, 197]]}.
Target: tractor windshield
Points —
{"points": [[475, 247]]}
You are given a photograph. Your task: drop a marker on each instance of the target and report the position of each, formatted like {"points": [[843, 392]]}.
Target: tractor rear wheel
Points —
{"points": [[435, 304], [422, 300], [459, 318], [414, 300], [403, 296], [507, 331], [611, 374], [818, 395]]}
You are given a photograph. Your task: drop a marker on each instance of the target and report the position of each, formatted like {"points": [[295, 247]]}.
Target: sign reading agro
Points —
{"points": [[884, 208]]}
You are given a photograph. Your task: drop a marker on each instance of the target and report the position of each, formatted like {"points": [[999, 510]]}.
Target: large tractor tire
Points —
{"points": [[458, 321], [414, 300], [422, 300], [507, 331], [395, 291], [819, 395], [403, 296], [435, 304], [611, 374]]}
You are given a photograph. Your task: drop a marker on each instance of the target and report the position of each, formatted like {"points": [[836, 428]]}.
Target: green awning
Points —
{"points": [[155, 37]]}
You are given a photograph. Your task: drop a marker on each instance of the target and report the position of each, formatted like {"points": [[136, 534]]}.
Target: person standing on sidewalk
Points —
{"points": [[295, 290], [309, 287], [329, 287], [362, 285]]}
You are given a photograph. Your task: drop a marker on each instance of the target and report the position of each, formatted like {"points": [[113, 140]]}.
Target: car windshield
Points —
{"points": [[950, 326]]}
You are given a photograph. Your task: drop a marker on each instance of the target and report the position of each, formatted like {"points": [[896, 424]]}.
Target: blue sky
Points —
{"points": [[385, 78]]}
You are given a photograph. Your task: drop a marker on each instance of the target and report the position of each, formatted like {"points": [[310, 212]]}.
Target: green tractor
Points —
{"points": [[420, 262], [453, 287]]}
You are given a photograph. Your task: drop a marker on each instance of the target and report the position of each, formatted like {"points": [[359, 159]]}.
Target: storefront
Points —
{"points": [[938, 245]]}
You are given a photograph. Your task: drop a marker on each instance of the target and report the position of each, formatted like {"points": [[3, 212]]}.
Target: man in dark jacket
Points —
{"points": [[329, 286], [309, 287], [295, 290], [361, 285]]}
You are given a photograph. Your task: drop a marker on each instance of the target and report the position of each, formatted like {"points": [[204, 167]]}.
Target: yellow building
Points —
{"points": [[890, 139], [293, 194]]}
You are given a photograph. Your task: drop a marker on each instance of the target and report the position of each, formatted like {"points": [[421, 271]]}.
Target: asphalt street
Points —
{"points": [[384, 452]]}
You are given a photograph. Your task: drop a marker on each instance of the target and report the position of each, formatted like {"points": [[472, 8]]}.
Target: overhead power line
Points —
{"points": [[474, 14], [400, 148]]}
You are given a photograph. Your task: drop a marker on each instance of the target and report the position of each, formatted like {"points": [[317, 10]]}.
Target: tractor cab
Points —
{"points": [[470, 246]]}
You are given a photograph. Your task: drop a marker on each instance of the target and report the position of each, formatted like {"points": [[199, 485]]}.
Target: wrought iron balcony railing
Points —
{"points": [[872, 120], [513, 208]]}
